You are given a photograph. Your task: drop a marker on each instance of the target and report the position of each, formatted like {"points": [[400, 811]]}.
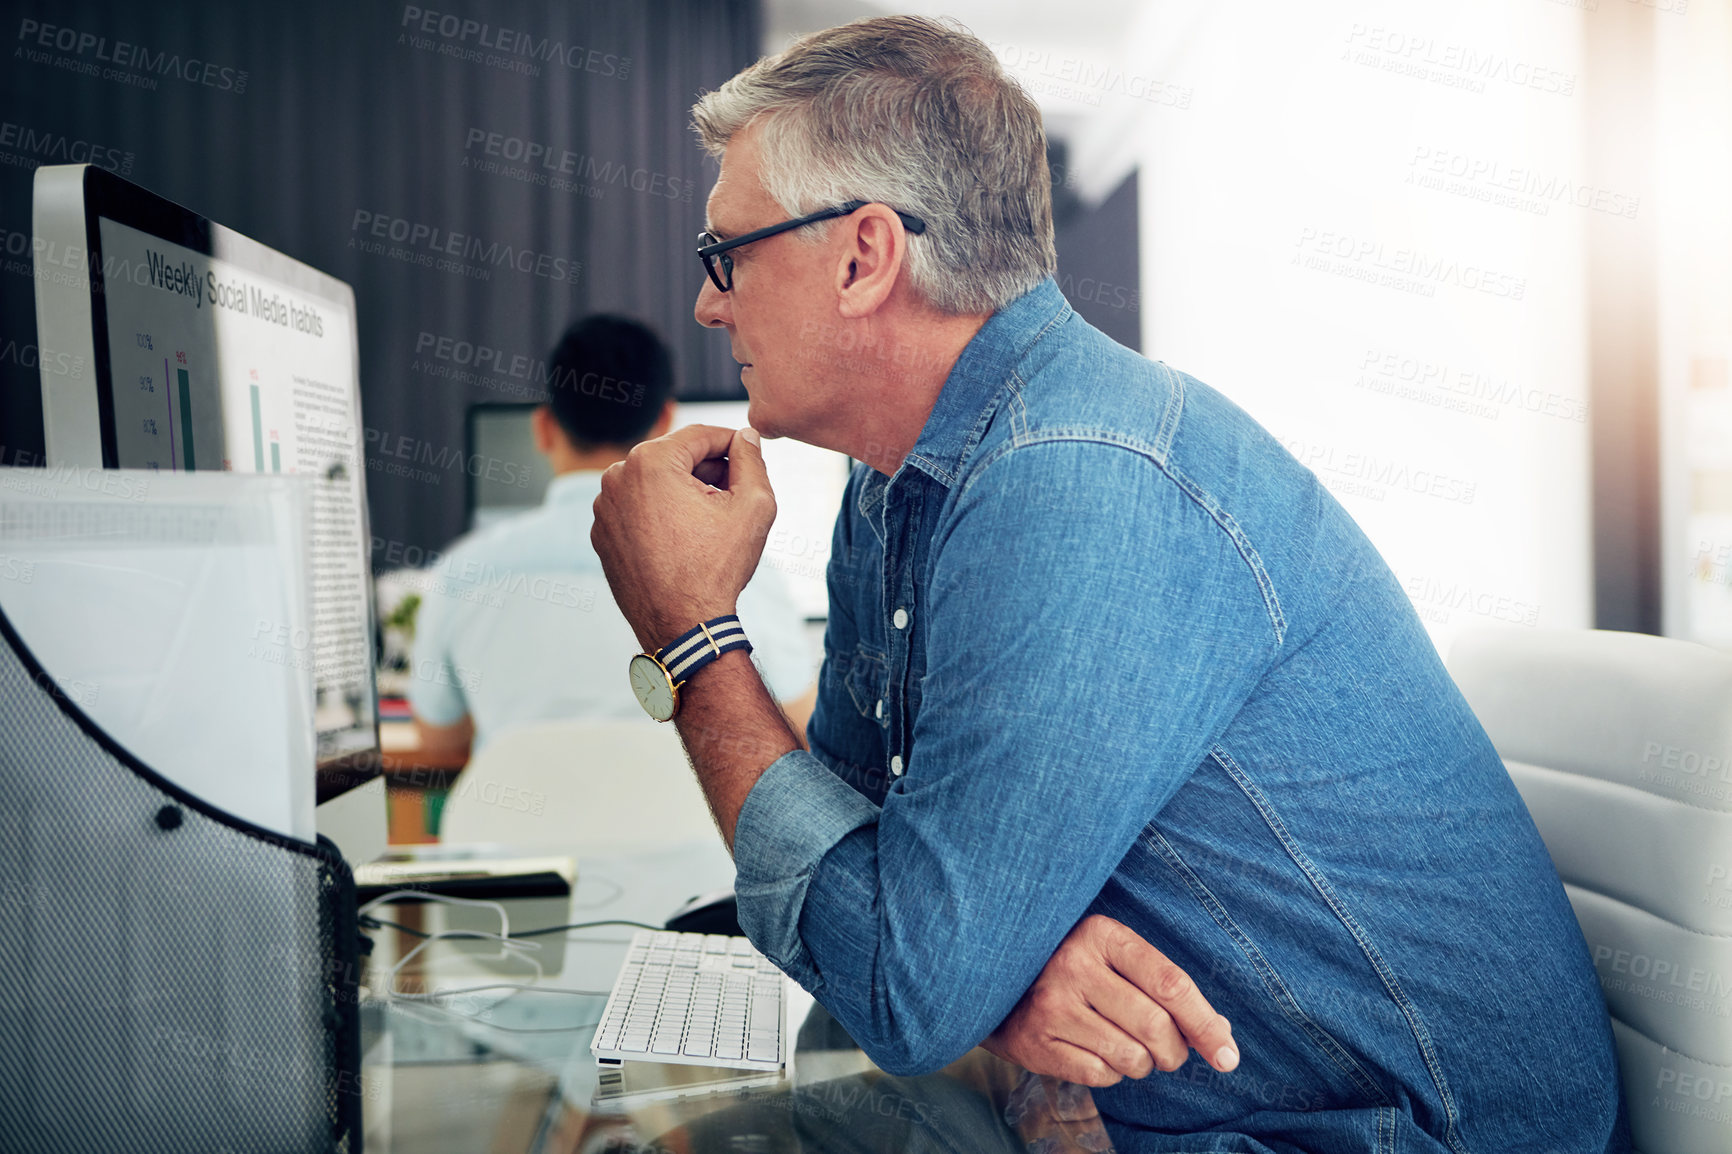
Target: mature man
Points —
{"points": [[516, 620], [1100, 655]]}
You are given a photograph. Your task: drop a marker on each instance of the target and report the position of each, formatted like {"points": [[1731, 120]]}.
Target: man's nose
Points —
{"points": [[713, 308]]}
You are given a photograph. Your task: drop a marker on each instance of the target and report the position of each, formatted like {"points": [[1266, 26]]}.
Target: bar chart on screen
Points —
{"points": [[261, 436], [180, 392], [169, 414]]}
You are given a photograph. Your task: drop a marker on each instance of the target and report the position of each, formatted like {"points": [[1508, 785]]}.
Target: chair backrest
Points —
{"points": [[590, 787], [1621, 745]]}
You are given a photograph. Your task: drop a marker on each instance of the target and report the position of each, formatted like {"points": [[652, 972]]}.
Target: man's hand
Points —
{"points": [[1108, 1006], [677, 549]]}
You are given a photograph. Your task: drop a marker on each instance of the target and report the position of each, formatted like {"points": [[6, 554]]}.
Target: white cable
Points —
{"points": [[506, 941], [479, 1019], [608, 900], [506, 944], [423, 895]]}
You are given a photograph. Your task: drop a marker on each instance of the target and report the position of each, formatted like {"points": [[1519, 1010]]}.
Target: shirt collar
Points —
{"points": [[980, 373], [570, 488]]}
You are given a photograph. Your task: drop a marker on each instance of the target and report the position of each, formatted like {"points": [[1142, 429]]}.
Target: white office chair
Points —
{"points": [[586, 787], [1621, 745]]}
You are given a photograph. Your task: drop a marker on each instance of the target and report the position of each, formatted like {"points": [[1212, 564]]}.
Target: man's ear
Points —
{"points": [[875, 246], [663, 423]]}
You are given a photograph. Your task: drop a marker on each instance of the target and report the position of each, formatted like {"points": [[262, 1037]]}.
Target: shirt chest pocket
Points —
{"points": [[866, 679]]}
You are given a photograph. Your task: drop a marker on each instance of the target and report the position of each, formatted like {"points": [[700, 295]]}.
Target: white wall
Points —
{"points": [[1693, 207], [1418, 334], [1365, 229]]}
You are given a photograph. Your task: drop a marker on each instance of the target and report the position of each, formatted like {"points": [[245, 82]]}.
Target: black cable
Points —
{"points": [[586, 926], [529, 1029], [369, 922]]}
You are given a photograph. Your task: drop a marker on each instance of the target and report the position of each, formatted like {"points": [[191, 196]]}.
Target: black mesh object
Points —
{"points": [[171, 977]]}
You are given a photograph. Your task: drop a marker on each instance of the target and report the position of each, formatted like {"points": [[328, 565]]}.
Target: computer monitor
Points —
{"points": [[502, 431], [210, 351], [808, 482]]}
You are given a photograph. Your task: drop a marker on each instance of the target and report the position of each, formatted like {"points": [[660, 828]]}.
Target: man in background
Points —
{"points": [[519, 626]]}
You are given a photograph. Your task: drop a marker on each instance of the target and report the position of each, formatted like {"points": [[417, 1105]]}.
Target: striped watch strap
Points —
{"points": [[697, 647]]}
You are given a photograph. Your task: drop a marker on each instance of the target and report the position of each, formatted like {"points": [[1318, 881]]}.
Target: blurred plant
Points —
{"points": [[403, 616]]}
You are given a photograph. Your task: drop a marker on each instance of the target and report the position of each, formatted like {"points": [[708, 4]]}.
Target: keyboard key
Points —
{"points": [[701, 999]]}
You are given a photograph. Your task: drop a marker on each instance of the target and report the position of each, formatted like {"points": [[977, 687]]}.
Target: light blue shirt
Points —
{"points": [[516, 625], [1101, 645]]}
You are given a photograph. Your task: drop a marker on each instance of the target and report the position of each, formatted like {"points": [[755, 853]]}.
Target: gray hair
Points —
{"points": [[914, 114]]}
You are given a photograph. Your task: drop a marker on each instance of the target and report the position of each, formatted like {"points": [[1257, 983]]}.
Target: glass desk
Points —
{"points": [[502, 1071]]}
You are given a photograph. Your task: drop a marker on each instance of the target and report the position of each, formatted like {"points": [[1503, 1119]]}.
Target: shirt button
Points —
{"points": [[900, 619], [880, 707], [896, 766]]}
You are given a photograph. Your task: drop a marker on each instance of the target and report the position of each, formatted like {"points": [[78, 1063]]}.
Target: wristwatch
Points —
{"points": [[656, 677]]}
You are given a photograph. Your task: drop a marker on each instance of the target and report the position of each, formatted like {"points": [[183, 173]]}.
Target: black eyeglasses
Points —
{"points": [[720, 266]]}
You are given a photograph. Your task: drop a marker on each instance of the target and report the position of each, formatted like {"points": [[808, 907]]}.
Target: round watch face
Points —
{"points": [[655, 692]]}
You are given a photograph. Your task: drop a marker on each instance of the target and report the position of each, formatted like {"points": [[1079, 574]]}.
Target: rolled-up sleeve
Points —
{"points": [[1092, 625], [795, 813]]}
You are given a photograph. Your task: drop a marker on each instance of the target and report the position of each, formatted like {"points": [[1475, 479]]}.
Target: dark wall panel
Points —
{"points": [[556, 131], [1098, 256]]}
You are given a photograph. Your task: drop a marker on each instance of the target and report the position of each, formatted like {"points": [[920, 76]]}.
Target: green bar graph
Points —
{"points": [[259, 438], [186, 416], [276, 458]]}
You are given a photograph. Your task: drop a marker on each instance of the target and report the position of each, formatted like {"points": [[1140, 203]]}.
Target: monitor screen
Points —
{"points": [[214, 352], [501, 431]]}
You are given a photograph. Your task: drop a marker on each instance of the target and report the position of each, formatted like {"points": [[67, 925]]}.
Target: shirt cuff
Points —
{"points": [[795, 812]]}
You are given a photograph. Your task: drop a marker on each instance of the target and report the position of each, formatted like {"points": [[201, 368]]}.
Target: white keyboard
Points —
{"points": [[694, 1000]]}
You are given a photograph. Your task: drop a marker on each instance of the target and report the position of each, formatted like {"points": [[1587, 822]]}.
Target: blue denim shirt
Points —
{"points": [[1101, 645]]}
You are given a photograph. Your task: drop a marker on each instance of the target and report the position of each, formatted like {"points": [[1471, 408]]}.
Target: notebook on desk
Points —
{"points": [[454, 872]]}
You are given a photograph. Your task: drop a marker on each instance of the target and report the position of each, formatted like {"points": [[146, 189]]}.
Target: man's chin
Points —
{"points": [[760, 420], [763, 428]]}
